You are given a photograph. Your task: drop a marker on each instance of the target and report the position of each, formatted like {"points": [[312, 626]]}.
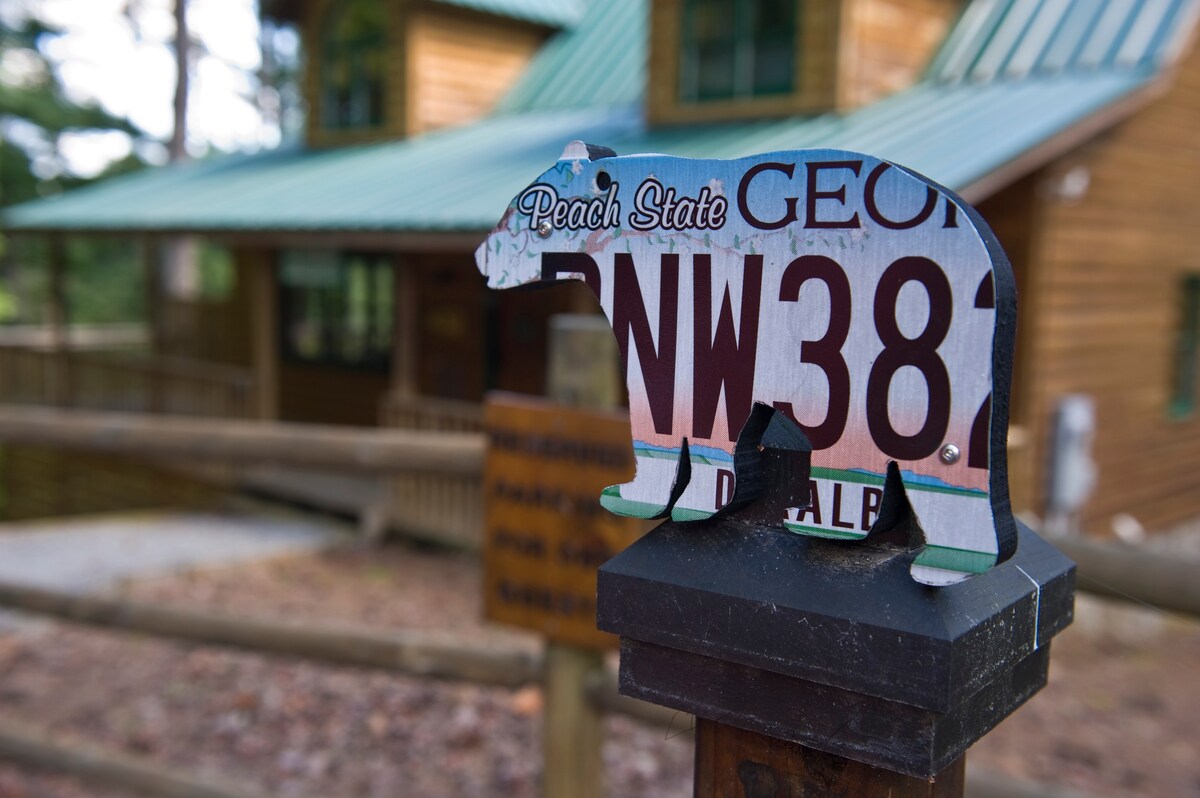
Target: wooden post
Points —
{"points": [[773, 634], [582, 371], [731, 761], [405, 334], [153, 264], [259, 269], [57, 321]]}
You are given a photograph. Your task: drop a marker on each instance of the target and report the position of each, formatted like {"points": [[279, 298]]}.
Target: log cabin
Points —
{"points": [[1070, 124]]}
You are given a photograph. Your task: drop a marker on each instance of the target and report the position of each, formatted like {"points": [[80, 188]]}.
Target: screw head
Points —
{"points": [[949, 454], [545, 229]]}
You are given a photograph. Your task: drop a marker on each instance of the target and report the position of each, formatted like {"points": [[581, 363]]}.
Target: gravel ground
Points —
{"points": [[1119, 718]]}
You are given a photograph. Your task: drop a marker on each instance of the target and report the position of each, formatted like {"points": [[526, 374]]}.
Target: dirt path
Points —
{"points": [[1119, 718]]}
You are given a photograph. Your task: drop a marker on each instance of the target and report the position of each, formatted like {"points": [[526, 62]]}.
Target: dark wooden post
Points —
{"points": [[814, 671], [735, 762], [258, 268]]}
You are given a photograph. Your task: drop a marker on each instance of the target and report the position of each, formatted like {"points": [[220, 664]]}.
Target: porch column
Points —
{"points": [[56, 299], [59, 378], [404, 327], [258, 269]]}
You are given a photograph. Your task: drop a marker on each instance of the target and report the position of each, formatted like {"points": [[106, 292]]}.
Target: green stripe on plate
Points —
{"points": [[817, 532], [611, 500], [838, 475], [685, 514], [952, 559]]}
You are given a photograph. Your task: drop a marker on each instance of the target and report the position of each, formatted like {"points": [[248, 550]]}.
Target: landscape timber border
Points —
{"points": [[408, 654], [1113, 570]]}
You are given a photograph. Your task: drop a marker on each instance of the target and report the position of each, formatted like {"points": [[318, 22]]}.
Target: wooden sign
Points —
{"points": [[866, 306], [544, 532]]}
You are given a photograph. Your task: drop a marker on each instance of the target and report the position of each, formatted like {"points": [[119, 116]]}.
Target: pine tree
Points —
{"points": [[35, 112]]}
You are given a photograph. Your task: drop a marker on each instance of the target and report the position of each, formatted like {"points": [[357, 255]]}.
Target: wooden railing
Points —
{"points": [[124, 381], [428, 413], [441, 506]]}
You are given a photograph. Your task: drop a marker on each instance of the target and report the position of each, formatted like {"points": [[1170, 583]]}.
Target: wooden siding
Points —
{"points": [[461, 64], [815, 76], [1106, 283], [885, 45], [450, 328], [471, 339], [329, 395], [209, 330], [446, 66], [522, 324], [1011, 213]]}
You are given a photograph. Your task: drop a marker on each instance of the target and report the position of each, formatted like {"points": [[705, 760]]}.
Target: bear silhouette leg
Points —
{"points": [[948, 518], [662, 474], [710, 488], [722, 479]]}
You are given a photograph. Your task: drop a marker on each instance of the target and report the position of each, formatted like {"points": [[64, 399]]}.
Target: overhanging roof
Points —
{"points": [[958, 126], [551, 13]]}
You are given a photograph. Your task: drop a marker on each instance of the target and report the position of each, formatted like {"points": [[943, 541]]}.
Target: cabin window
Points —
{"points": [[1187, 350], [735, 49], [336, 309], [353, 65]]}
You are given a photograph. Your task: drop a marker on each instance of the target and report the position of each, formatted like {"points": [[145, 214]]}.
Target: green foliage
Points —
{"points": [[104, 276], [35, 112], [106, 281], [218, 275]]}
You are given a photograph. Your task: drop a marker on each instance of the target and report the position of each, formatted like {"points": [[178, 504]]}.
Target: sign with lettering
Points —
{"points": [[865, 306], [544, 532]]}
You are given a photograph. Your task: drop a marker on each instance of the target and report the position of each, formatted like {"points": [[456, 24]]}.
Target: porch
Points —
{"points": [[40, 479]]}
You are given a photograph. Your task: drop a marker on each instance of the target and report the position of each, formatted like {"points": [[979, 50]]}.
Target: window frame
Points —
{"points": [[744, 52], [1186, 373], [365, 107], [378, 333]]}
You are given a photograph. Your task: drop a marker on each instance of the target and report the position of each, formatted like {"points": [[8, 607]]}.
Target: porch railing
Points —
{"points": [[124, 381], [442, 506]]}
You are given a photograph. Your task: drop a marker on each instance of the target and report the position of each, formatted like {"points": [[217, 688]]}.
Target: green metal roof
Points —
{"points": [[600, 62], [1016, 39], [958, 127], [552, 13]]}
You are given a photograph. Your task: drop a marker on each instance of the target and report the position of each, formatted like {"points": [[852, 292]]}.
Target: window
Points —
{"points": [[732, 49], [353, 65], [336, 309], [1187, 350]]}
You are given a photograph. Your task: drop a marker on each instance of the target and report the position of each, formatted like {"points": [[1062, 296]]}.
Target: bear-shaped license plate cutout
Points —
{"points": [[866, 307]]}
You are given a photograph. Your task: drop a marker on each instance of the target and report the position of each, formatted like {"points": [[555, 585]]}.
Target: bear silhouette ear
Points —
{"points": [[580, 151]]}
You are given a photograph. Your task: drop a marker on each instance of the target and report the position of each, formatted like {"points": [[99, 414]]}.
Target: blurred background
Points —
{"points": [[223, 219]]}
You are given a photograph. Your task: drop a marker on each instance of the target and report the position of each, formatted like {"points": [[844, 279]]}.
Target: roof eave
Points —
{"points": [[434, 241], [1066, 140]]}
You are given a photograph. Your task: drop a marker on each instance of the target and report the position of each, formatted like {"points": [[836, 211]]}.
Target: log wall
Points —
{"points": [[1118, 222], [446, 66], [886, 44], [461, 64]]}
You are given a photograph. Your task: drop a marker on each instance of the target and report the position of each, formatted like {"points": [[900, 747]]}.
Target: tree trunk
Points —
{"points": [[177, 148]]}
